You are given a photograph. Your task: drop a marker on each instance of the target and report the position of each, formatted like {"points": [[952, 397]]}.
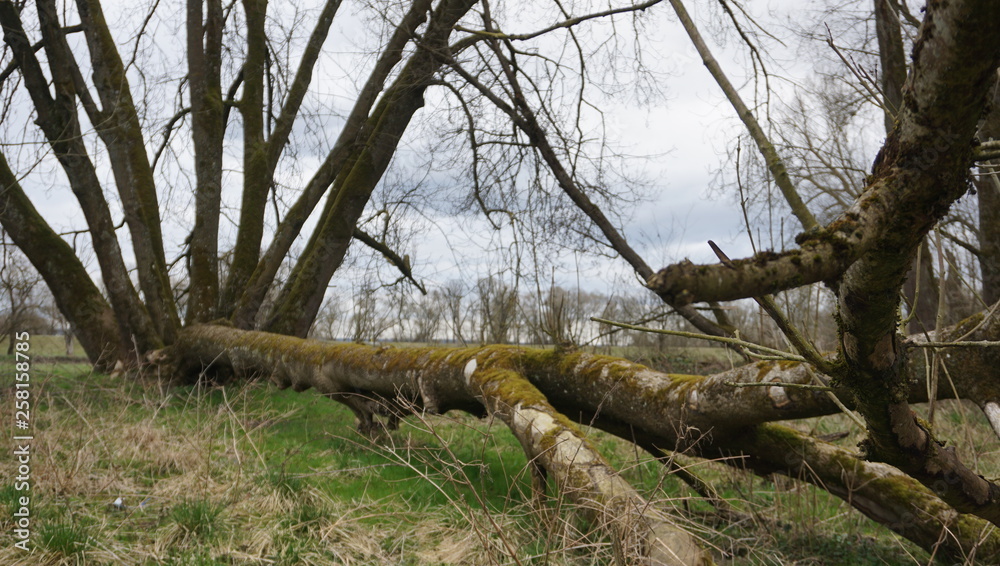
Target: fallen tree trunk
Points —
{"points": [[768, 391], [531, 390], [556, 445], [878, 490], [374, 381]]}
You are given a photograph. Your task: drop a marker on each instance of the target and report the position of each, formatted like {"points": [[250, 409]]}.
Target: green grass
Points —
{"points": [[47, 346], [247, 474], [202, 519], [64, 539]]}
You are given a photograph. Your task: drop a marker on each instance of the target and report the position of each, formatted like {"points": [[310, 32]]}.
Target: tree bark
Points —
{"points": [[204, 49], [374, 381], [892, 59], [881, 492], [537, 387], [988, 190], [989, 233]]}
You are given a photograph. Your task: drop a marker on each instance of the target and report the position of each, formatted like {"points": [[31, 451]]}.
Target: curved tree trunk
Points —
{"points": [[523, 385], [372, 381], [75, 293]]}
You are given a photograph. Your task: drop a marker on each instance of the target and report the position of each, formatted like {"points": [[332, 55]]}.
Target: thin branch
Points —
{"points": [[960, 242], [803, 386], [15, 63], [401, 263], [774, 162], [721, 339], [836, 401], [167, 130], [875, 95], [491, 34], [966, 344], [798, 340]]}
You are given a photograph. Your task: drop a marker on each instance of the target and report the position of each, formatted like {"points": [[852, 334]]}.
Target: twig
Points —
{"points": [[723, 339], [492, 34], [766, 302], [836, 401], [775, 164], [966, 344]]}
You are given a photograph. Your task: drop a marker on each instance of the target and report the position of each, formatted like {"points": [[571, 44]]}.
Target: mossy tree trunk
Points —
{"points": [[539, 393], [78, 298], [864, 255], [988, 192], [394, 381]]}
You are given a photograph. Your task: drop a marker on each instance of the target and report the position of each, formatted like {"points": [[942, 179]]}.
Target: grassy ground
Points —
{"points": [[48, 346], [246, 474]]}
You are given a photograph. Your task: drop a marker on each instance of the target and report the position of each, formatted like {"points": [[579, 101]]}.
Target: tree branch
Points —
{"points": [[251, 299], [15, 64], [774, 162], [401, 263]]}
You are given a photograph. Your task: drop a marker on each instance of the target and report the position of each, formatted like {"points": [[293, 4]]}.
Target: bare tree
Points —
{"points": [[331, 320], [496, 303], [457, 309], [369, 319], [428, 312], [20, 284]]}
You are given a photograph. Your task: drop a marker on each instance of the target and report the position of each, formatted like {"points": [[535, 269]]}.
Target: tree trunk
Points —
{"points": [[303, 293], [75, 293], [525, 387], [988, 190], [989, 234], [373, 381], [204, 50]]}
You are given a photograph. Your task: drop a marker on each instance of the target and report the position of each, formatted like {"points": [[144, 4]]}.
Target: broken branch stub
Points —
{"points": [[824, 255]]}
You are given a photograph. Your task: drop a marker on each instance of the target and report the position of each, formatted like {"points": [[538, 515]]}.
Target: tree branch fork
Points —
{"points": [[864, 255]]}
